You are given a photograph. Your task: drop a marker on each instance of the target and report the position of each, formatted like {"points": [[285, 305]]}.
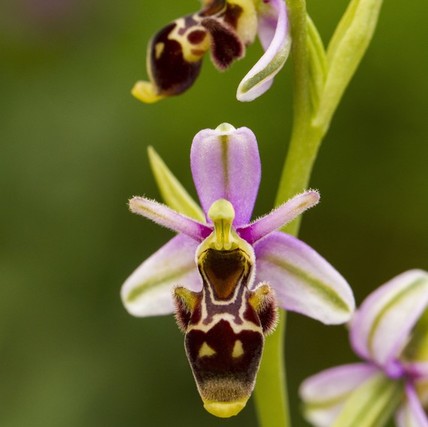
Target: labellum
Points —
{"points": [[226, 322]]}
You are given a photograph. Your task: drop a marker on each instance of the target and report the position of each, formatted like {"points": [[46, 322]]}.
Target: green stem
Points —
{"points": [[271, 391]]}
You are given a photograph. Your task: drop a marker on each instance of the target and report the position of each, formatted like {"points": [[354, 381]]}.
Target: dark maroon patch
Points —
{"points": [[226, 45], [251, 315], [196, 36], [222, 365], [232, 14], [171, 73]]}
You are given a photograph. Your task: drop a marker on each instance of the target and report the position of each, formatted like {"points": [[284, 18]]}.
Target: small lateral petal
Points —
{"points": [[411, 413], [277, 45], [303, 281], [279, 217], [148, 291], [225, 164], [382, 325], [324, 394], [163, 215]]}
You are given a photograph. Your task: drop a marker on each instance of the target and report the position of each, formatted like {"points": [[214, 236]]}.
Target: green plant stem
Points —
{"points": [[271, 390]]}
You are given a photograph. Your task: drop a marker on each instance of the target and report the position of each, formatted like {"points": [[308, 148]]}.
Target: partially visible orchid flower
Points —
{"points": [[224, 27], [226, 275], [390, 332]]}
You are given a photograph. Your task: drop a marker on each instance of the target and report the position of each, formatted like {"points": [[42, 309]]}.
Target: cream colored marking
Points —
{"points": [[206, 350], [246, 325], [159, 49], [187, 47], [238, 350]]}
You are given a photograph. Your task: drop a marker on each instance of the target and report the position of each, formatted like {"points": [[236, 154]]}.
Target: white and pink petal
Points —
{"points": [[303, 280], [382, 325], [274, 34], [325, 393], [148, 291]]}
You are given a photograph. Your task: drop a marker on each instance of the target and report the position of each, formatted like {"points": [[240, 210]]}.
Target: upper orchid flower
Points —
{"points": [[225, 27], [389, 331], [227, 274]]}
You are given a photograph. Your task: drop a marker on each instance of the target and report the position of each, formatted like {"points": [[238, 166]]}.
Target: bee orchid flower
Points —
{"points": [[390, 333], [225, 28], [224, 275]]}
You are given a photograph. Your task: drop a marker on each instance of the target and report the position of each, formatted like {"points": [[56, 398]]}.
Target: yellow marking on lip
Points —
{"points": [[206, 351], [225, 409], [238, 350], [159, 49], [146, 92]]}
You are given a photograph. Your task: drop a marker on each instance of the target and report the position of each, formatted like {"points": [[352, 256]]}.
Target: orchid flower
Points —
{"points": [[390, 332], [225, 28], [224, 276]]}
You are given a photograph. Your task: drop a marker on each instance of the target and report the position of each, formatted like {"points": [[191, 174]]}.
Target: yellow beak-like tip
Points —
{"points": [[225, 409], [146, 92]]}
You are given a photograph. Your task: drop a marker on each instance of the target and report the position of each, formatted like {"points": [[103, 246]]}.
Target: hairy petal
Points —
{"points": [[275, 38], [165, 216], [382, 325], [324, 394], [148, 291], [303, 281], [411, 412], [225, 164], [280, 216]]}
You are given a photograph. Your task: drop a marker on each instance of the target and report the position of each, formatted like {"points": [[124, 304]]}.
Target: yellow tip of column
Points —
{"points": [[225, 409], [146, 92]]}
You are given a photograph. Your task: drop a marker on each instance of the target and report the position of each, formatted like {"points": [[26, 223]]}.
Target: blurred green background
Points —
{"points": [[73, 150]]}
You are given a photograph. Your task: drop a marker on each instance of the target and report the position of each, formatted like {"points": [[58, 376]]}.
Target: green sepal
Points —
{"points": [[318, 66], [173, 193], [346, 50], [371, 404], [417, 348]]}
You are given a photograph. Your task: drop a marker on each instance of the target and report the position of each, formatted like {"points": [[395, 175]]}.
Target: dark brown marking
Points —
{"points": [[171, 72], [232, 15], [196, 36], [226, 45], [223, 270]]}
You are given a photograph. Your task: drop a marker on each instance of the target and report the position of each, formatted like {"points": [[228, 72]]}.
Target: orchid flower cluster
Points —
{"points": [[227, 277]]}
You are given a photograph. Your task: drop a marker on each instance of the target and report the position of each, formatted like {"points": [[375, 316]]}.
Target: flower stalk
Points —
{"points": [[271, 391], [319, 82]]}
